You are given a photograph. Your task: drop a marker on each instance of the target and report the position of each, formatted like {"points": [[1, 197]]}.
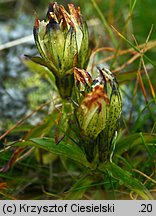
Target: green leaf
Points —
{"points": [[37, 65], [44, 128], [128, 180], [105, 22], [35, 59], [133, 140], [141, 115], [62, 149], [79, 188], [132, 5]]}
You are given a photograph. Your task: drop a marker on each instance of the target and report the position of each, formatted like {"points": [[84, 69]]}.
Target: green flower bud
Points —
{"points": [[62, 41], [98, 112]]}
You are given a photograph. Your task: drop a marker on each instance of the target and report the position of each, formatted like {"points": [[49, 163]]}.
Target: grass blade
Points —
{"points": [[134, 47], [79, 188], [128, 180], [105, 23], [133, 140]]}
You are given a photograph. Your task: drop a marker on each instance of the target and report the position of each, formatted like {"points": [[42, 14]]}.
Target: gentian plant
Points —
{"points": [[63, 43], [84, 122]]}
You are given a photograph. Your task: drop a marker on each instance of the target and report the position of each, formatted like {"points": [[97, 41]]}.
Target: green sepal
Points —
{"points": [[107, 135], [54, 41], [39, 32], [84, 52], [70, 51]]}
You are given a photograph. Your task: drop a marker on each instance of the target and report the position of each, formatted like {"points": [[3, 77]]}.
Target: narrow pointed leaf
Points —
{"points": [[79, 188], [128, 180], [62, 149], [133, 140]]}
